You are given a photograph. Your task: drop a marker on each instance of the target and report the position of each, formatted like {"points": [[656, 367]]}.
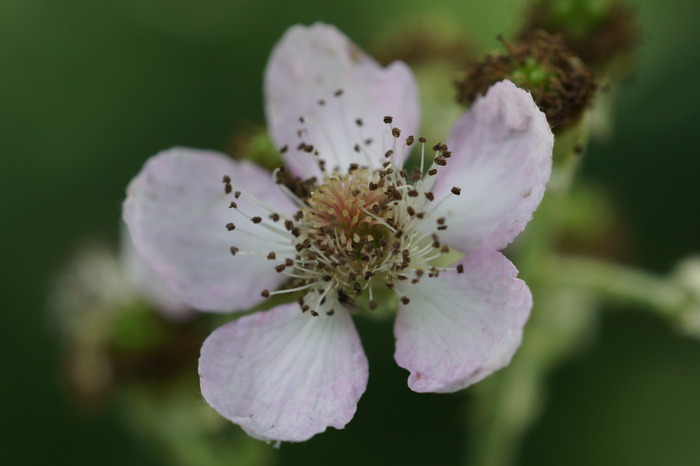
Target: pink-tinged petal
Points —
{"points": [[283, 374], [177, 211], [501, 160], [460, 327], [306, 68], [149, 284]]}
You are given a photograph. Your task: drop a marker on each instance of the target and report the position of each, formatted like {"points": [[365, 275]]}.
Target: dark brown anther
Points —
{"points": [[368, 141], [405, 300], [230, 226], [356, 148], [388, 153], [411, 211], [314, 313], [330, 313], [301, 119], [265, 293], [456, 191], [358, 289], [445, 249], [447, 154], [373, 186], [288, 225], [280, 268], [233, 250], [396, 132], [390, 285], [388, 119], [272, 256], [422, 140], [227, 179], [441, 221], [442, 227], [233, 205], [460, 268], [402, 277], [432, 172], [321, 102], [353, 167], [429, 196], [288, 262], [256, 219], [420, 215], [410, 140], [227, 189], [338, 93], [404, 174], [275, 217], [372, 305], [440, 160], [237, 194], [358, 121], [413, 193]]}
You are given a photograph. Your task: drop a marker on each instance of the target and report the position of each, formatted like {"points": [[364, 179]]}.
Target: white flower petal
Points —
{"points": [[459, 328], [284, 375], [148, 283], [176, 211], [308, 66], [501, 160]]}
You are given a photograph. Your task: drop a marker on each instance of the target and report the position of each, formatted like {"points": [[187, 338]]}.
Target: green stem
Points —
{"points": [[617, 282]]}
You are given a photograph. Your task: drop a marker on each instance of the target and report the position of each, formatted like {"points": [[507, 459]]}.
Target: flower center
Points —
{"points": [[359, 229], [339, 213]]}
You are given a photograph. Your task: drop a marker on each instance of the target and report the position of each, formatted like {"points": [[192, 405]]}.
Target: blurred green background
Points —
{"points": [[89, 89]]}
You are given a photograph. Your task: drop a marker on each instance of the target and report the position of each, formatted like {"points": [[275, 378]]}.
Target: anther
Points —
{"points": [[265, 293], [410, 140], [234, 250], [422, 140], [338, 93], [233, 205], [405, 300], [230, 226], [456, 191], [227, 179], [358, 122], [272, 256], [440, 160], [388, 119], [432, 172], [430, 196], [396, 132], [256, 219]]}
